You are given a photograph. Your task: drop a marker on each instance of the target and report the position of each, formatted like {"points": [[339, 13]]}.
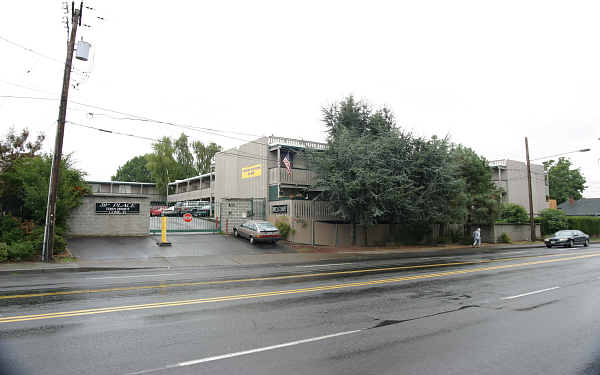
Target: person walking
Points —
{"points": [[477, 238]]}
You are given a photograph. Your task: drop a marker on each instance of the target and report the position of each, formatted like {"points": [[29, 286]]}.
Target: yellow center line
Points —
{"points": [[271, 278], [11, 319]]}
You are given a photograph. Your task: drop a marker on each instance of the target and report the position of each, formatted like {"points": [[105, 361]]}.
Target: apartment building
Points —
{"points": [[511, 176]]}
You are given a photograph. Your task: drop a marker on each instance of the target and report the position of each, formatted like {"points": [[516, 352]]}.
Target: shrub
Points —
{"points": [[20, 251], [37, 239], [512, 213], [3, 252], [10, 230], [553, 220], [504, 238], [284, 228], [588, 224]]}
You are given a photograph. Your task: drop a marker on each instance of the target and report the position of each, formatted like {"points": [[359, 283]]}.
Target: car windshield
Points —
{"points": [[563, 233], [266, 227]]}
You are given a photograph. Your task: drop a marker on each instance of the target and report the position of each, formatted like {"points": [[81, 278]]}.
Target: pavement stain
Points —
{"points": [[44, 330], [537, 306]]}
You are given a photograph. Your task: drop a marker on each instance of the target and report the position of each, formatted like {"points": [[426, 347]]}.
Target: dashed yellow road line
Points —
{"points": [[270, 278], [65, 314]]}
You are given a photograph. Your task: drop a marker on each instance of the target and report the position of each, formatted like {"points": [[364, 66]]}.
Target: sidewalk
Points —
{"points": [[303, 254]]}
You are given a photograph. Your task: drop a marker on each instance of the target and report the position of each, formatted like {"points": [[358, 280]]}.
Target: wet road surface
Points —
{"points": [[533, 311]]}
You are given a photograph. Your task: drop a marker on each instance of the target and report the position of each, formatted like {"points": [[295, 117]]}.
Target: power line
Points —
{"points": [[147, 119], [37, 53], [244, 155]]}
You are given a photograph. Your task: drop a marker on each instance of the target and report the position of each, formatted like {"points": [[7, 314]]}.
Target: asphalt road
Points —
{"points": [[526, 312]]}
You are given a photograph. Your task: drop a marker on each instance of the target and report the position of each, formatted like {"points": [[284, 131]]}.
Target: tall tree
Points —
{"points": [[162, 164], [479, 201], [184, 158], [134, 170], [564, 182], [203, 155], [373, 172]]}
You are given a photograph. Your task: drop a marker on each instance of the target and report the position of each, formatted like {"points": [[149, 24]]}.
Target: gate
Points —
{"points": [[181, 224], [184, 223], [233, 212]]}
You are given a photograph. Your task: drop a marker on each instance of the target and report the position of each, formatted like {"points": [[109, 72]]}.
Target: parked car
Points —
{"points": [[182, 208], [257, 231], [203, 210], [156, 211], [568, 238], [169, 211]]}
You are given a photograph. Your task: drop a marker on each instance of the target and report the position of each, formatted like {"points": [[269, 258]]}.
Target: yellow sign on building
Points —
{"points": [[252, 171]]}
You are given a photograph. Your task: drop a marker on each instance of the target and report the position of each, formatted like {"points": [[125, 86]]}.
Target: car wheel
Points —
{"points": [[235, 233], [252, 241], [586, 243], [548, 246], [571, 243]]}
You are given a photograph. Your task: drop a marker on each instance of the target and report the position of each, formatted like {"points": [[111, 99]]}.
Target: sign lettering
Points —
{"points": [[117, 208], [252, 171]]}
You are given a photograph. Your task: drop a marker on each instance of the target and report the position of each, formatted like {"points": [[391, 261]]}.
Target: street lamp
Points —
{"points": [[531, 221]]}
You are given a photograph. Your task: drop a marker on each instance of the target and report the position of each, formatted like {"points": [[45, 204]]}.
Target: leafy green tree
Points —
{"points": [[134, 170], [203, 155], [512, 213], [162, 164], [184, 158], [29, 193], [372, 172], [479, 200], [564, 182], [17, 146]]}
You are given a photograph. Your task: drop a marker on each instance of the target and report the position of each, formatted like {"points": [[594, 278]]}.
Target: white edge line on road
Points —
{"points": [[273, 347], [530, 293], [325, 265], [246, 352]]}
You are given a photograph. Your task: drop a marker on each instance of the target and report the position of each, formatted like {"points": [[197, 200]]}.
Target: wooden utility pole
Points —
{"points": [[531, 221], [48, 246]]}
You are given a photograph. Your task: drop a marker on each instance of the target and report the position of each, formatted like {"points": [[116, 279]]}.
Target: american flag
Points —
{"points": [[287, 164]]}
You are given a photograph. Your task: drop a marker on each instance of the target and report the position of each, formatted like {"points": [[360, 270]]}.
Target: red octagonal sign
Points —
{"points": [[187, 217]]}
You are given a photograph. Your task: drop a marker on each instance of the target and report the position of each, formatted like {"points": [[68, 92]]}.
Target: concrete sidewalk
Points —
{"points": [[304, 254]]}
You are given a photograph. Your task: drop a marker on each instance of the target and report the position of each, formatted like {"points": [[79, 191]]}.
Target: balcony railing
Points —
{"points": [[296, 143], [295, 177]]}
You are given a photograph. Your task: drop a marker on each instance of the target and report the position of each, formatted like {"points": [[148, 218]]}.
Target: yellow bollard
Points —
{"points": [[163, 233]]}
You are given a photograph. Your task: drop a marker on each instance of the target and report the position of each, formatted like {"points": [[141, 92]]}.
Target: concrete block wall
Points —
{"points": [[85, 222], [233, 213]]}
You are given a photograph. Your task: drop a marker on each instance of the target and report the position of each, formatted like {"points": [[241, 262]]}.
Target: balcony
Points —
{"points": [[296, 177]]}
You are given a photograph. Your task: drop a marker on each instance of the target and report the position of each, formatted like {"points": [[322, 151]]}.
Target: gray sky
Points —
{"points": [[486, 73]]}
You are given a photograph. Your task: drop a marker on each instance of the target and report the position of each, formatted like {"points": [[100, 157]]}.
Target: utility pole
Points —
{"points": [[49, 228], [531, 221]]}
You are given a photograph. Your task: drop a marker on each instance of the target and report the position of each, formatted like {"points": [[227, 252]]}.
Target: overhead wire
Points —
{"points": [[39, 54]]}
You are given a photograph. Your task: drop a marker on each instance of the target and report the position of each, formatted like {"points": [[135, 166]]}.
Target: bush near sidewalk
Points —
{"points": [[587, 224]]}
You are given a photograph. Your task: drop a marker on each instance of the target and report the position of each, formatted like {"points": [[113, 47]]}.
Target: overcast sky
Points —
{"points": [[485, 73]]}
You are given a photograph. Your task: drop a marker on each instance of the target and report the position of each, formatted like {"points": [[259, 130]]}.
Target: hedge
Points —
{"points": [[587, 224]]}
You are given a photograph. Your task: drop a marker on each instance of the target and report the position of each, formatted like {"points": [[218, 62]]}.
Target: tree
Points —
{"points": [[204, 155], [17, 146], [373, 172], [134, 170], [184, 158], [479, 200], [564, 182], [161, 164]]}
